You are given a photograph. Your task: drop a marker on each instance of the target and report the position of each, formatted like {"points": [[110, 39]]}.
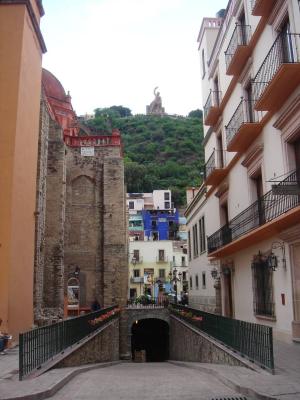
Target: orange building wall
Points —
{"points": [[20, 87]]}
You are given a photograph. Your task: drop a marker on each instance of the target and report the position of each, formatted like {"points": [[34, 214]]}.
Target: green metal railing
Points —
{"points": [[38, 346], [253, 341]]}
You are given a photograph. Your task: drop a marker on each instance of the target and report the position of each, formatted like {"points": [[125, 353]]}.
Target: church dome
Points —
{"points": [[52, 86]]}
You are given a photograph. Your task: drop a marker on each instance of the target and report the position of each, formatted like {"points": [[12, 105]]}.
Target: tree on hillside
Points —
{"points": [[115, 111], [160, 152], [195, 114]]}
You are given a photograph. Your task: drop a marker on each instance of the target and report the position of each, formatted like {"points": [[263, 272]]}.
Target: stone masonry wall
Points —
{"points": [[53, 298], [115, 243], [40, 213], [128, 317], [103, 347], [95, 231], [187, 344]]}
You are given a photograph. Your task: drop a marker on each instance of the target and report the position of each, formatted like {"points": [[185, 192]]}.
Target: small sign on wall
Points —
{"points": [[87, 151]]}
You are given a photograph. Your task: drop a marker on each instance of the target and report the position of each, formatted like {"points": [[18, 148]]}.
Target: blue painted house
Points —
{"points": [[160, 224]]}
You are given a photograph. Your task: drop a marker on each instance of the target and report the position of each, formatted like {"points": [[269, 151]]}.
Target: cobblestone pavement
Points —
{"points": [[131, 381]]}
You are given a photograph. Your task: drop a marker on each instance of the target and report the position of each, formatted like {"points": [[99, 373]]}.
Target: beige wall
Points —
{"points": [[20, 87]]}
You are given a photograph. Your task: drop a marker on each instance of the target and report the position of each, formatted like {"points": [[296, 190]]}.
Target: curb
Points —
{"points": [[50, 391]]}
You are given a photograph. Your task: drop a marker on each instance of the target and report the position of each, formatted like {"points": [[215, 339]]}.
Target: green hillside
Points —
{"points": [[160, 152]]}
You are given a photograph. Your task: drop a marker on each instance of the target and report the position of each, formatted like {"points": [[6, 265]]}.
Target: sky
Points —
{"points": [[115, 52]]}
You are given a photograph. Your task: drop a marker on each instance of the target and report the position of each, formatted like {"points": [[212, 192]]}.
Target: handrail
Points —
{"points": [[240, 37], [255, 341], [265, 209], [38, 346], [244, 113], [283, 50]]}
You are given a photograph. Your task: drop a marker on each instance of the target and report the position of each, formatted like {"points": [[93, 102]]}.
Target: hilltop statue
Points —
{"points": [[155, 108]]}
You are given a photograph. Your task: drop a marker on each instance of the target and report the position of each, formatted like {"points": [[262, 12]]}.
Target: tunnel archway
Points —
{"points": [[151, 335]]}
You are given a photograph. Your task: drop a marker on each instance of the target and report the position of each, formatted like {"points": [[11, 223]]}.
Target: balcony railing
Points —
{"points": [[242, 126], [137, 279], [211, 108], [283, 53], [236, 48], [160, 259], [145, 301], [215, 162], [135, 260], [94, 141], [263, 210]]}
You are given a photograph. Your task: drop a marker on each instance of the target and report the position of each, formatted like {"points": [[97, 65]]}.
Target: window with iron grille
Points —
{"points": [[203, 63], [131, 205], [203, 280], [202, 237], [263, 300], [189, 245], [195, 241], [162, 273], [161, 255], [136, 273]]}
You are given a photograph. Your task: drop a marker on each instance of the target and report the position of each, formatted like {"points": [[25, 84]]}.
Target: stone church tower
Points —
{"points": [[81, 214]]}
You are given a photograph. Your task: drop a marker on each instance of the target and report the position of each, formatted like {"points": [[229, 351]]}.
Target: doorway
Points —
{"points": [[228, 297], [150, 335]]}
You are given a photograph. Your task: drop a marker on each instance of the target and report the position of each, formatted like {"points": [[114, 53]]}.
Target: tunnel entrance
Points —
{"points": [[150, 338]]}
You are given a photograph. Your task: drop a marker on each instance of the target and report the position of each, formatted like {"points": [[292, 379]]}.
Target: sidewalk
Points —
{"points": [[9, 364], [287, 359], [42, 387], [284, 385]]}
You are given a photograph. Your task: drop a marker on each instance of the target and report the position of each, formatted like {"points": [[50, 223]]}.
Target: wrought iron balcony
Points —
{"points": [[137, 279], [238, 49], [266, 209], [214, 170], [161, 259], [136, 260], [243, 127], [212, 108], [279, 73], [262, 7]]}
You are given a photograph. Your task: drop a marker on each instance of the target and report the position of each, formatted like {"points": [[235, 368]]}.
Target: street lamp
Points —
{"points": [[175, 277]]}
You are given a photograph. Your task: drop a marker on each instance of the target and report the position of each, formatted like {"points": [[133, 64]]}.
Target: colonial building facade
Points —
{"points": [[249, 202], [151, 264]]}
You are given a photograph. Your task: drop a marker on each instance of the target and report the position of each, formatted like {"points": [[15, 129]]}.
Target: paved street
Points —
{"points": [[130, 381], [156, 380]]}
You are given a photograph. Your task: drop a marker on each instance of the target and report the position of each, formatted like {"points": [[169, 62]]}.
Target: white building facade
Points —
{"points": [[157, 200], [250, 200]]}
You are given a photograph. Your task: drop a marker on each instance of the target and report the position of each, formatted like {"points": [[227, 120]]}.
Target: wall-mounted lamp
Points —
{"points": [[272, 258], [215, 273]]}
